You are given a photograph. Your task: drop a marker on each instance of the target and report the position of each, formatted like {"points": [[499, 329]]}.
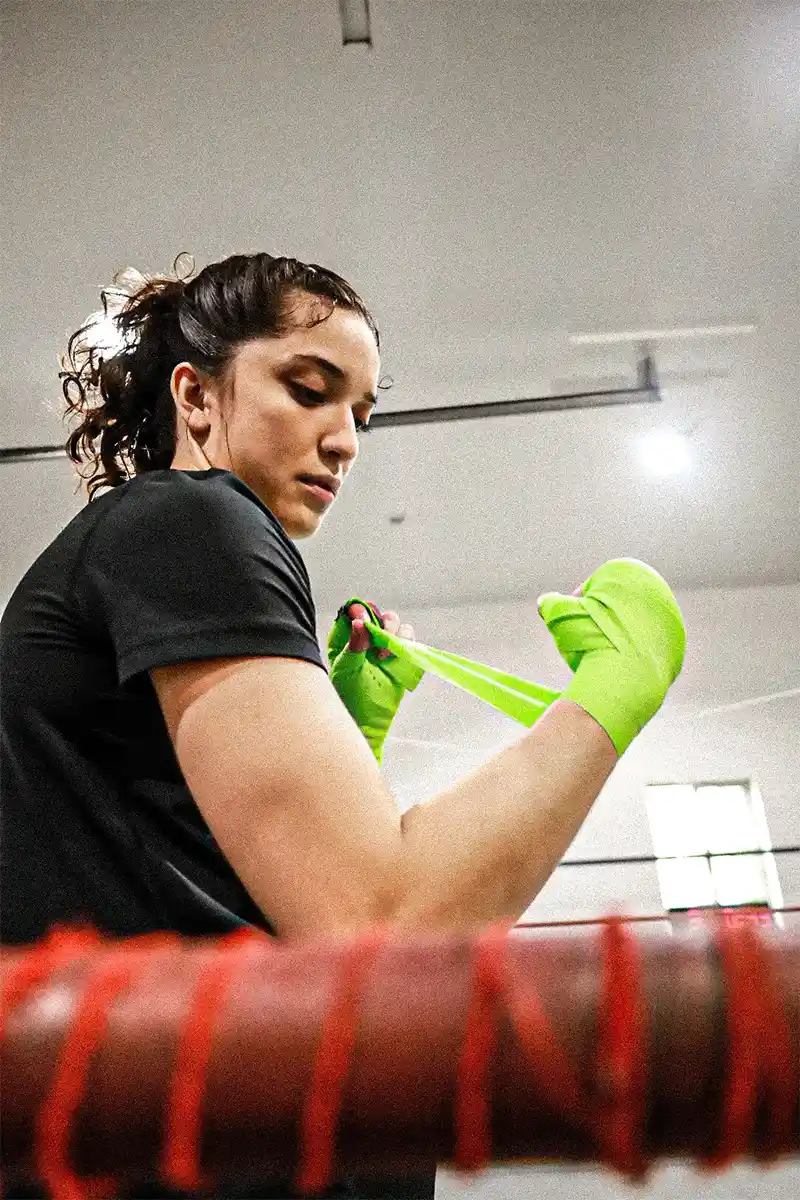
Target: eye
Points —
{"points": [[312, 396]]}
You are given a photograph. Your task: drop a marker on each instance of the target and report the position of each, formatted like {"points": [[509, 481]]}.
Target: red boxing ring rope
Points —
{"points": [[600, 1084]]}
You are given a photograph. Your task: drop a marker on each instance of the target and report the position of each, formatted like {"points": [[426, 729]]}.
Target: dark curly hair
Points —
{"points": [[122, 396]]}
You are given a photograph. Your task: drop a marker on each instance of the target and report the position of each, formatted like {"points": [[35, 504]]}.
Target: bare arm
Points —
{"points": [[297, 804], [485, 847]]}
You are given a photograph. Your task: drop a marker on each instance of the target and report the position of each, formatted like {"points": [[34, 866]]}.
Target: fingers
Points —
{"points": [[360, 639], [392, 624]]}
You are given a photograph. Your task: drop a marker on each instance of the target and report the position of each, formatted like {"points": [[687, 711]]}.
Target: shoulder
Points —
{"points": [[172, 490], [174, 503], [191, 565], [204, 520]]}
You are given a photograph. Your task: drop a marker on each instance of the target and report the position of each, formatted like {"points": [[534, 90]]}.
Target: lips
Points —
{"points": [[323, 495], [328, 482]]}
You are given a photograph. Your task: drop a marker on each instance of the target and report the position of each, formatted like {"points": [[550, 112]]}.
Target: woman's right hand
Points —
{"points": [[623, 635]]}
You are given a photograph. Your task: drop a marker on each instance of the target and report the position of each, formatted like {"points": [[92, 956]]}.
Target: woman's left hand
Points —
{"points": [[370, 691], [361, 638]]}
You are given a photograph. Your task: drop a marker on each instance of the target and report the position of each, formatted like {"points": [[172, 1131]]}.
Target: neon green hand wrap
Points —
{"points": [[624, 639], [371, 690]]}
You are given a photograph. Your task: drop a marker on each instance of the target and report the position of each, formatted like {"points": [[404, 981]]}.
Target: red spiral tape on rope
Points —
{"points": [[781, 1060], [322, 1108], [550, 1065], [56, 950], [759, 1053], [616, 1126], [472, 1108], [622, 1053], [181, 1151], [113, 971], [743, 980], [53, 951]]}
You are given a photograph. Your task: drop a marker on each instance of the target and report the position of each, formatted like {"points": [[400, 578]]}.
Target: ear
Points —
{"points": [[189, 389]]}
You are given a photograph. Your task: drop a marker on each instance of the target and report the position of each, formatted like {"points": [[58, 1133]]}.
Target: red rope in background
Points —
{"points": [[760, 1066]]}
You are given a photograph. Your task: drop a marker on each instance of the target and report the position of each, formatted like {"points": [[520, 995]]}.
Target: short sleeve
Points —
{"points": [[191, 565]]}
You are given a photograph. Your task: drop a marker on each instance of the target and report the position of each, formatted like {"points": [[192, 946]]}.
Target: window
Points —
{"points": [[712, 847]]}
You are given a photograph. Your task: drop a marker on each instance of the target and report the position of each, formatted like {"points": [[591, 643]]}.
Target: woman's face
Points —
{"points": [[284, 412]]}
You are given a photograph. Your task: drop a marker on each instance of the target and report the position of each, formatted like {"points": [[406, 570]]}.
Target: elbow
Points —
{"points": [[344, 913]]}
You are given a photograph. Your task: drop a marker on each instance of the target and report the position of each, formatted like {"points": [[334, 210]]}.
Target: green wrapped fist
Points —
{"points": [[624, 638]]}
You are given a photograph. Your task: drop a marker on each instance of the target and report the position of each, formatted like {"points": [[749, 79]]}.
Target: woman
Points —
{"points": [[175, 755]]}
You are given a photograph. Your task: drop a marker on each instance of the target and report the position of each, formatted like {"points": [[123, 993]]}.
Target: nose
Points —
{"points": [[341, 440]]}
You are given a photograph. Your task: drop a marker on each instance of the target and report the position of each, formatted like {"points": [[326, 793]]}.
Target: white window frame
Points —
{"points": [[761, 836]]}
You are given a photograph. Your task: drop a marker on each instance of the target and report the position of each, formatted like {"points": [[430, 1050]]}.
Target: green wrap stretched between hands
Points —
{"points": [[622, 636]]}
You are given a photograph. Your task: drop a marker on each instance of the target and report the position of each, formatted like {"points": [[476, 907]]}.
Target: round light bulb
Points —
{"points": [[665, 452]]}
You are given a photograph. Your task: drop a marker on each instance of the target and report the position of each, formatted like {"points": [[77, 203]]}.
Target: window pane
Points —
{"points": [[728, 818], [685, 883], [739, 880], [676, 824]]}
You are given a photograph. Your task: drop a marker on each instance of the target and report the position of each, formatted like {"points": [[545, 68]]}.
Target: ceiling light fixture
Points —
{"points": [[355, 23], [665, 452]]}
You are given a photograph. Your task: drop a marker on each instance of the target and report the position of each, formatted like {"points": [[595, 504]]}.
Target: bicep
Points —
{"points": [[289, 789]]}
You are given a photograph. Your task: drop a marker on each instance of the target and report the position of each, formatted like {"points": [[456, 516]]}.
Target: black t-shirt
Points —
{"points": [[98, 824]]}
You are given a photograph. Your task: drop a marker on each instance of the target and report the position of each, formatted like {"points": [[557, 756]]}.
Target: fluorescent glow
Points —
{"points": [[665, 452]]}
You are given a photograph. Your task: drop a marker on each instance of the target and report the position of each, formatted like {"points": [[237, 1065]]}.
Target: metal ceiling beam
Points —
{"points": [[647, 391], [13, 454]]}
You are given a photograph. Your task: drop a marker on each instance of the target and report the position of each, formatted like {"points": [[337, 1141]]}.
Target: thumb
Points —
{"points": [[359, 641]]}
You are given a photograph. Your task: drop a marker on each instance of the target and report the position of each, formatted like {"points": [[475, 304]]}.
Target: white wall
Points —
{"points": [[742, 644]]}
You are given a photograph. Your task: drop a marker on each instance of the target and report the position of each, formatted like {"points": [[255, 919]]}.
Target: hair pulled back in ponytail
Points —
{"points": [[120, 394]]}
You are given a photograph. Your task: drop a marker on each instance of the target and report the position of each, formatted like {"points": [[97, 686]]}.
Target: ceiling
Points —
{"points": [[493, 179]]}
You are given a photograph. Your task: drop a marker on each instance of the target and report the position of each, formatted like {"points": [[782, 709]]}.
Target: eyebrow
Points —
{"points": [[329, 368]]}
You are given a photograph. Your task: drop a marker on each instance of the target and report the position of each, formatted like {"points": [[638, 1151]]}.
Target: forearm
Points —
{"points": [[484, 848]]}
